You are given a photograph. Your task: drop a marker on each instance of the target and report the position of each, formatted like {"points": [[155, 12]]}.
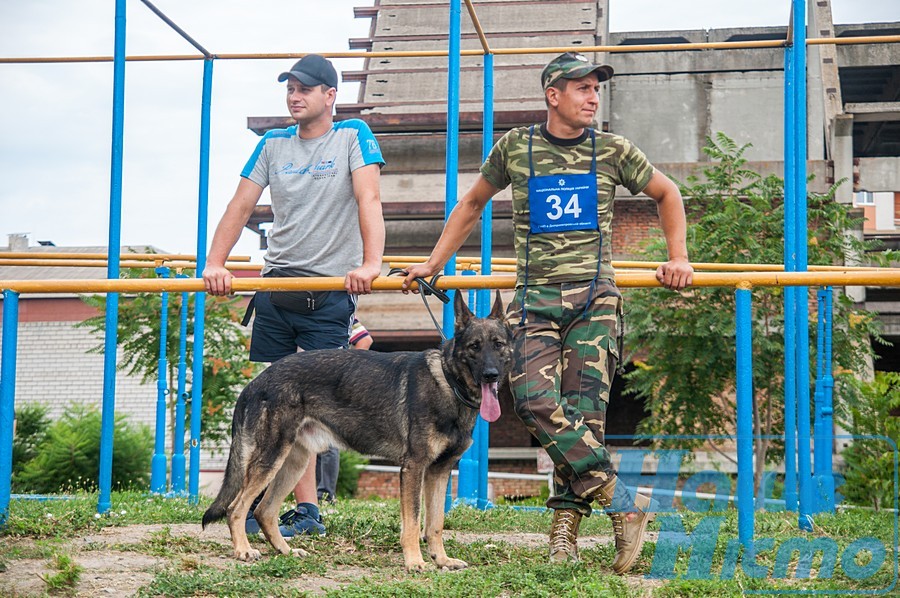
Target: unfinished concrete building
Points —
{"points": [[665, 102]]}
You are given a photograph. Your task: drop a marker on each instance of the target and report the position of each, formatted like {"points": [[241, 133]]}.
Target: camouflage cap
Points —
{"points": [[572, 65]]}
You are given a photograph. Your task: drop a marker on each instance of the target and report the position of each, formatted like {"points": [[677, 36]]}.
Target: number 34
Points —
{"points": [[556, 210]]}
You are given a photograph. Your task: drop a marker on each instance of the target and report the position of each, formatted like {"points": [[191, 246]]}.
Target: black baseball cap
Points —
{"points": [[312, 69]]}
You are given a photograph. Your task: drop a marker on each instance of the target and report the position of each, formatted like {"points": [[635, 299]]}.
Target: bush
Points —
{"points": [[348, 477], [68, 458], [869, 463], [31, 429]]}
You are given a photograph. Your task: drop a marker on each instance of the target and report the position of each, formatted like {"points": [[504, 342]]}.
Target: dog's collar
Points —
{"points": [[459, 390]]}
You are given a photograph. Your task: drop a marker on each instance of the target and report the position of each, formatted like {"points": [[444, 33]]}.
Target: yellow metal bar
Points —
{"points": [[478, 29], [863, 39], [64, 263], [509, 265], [889, 278], [7, 255], [871, 39], [717, 267], [421, 259], [392, 283], [461, 265], [646, 47]]}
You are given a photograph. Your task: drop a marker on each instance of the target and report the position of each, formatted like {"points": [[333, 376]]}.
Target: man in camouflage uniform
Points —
{"points": [[565, 312]]}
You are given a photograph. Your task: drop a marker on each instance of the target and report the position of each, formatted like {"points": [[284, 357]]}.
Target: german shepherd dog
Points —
{"points": [[415, 408]]}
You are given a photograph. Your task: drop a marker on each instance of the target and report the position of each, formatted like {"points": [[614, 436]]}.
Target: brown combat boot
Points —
{"points": [[629, 534], [564, 536]]}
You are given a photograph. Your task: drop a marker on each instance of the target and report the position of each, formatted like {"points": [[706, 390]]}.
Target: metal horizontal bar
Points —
{"points": [[872, 39], [713, 266], [745, 280], [74, 255], [51, 263]]}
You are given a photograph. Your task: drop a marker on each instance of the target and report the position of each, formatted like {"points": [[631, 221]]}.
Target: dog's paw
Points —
{"points": [[417, 566], [299, 552], [452, 564], [251, 554]]}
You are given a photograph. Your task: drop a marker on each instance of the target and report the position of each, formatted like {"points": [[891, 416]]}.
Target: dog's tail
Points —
{"points": [[231, 484]]}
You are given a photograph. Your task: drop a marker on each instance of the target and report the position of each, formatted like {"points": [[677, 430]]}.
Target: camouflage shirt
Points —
{"points": [[568, 256]]}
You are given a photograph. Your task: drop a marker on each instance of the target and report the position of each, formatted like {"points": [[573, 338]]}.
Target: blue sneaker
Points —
{"points": [[302, 519], [251, 524]]}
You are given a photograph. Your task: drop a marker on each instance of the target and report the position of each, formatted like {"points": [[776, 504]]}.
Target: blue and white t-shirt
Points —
{"points": [[316, 227]]}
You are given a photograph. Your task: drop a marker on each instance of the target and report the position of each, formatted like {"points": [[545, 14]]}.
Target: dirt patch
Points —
{"points": [[111, 569], [135, 534]]}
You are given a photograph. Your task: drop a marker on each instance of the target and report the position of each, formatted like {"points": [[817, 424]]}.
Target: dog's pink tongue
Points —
{"points": [[490, 406]]}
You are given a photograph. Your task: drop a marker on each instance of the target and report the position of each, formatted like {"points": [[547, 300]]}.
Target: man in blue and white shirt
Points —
{"points": [[323, 179]]}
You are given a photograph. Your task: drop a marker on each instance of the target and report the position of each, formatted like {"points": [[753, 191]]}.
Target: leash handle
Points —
{"points": [[427, 288]]}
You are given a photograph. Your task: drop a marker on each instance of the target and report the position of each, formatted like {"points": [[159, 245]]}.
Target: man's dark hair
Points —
{"points": [[559, 84]]}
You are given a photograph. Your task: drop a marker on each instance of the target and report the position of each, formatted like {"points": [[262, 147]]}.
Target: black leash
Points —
{"points": [[427, 288]]}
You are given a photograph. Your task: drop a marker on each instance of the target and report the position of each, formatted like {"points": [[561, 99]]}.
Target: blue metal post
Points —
{"points": [[482, 440], [8, 397], [482, 428], [158, 464], [827, 433], [744, 346], [469, 467], [790, 306], [487, 142], [801, 297], [108, 415], [451, 161], [200, 305], [817, 395], [824, 431], [452, 157], [178, 441]]}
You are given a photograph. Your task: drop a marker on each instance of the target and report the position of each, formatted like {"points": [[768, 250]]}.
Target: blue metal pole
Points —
{"points": [[158, 464], [467, 483], [801, 298], [824, 432], [487, 142], [744, 346], [817, 395], [482, 428], [790, 306], [108, 414], [200, 305], [178, 441], [452, 157], [451, 162], [828, 406], [8, 397]]}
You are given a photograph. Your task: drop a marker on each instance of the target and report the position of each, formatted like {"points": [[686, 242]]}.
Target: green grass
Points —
{"points": [[78, 514], [68, 572], [361, 554]]}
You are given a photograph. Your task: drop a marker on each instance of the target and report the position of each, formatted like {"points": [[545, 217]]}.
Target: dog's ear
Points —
{"points": [[463, 314], [497, 310]]}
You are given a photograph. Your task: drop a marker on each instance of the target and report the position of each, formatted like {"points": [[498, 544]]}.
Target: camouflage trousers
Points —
{"points": [[565, 357]]}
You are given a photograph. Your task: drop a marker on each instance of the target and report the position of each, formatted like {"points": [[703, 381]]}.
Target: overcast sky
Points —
{"points": [[55, 119]]}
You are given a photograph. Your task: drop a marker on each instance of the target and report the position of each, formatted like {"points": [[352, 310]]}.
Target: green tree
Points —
{"points": [[684, 342], [226, 367], [869, 463]]}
